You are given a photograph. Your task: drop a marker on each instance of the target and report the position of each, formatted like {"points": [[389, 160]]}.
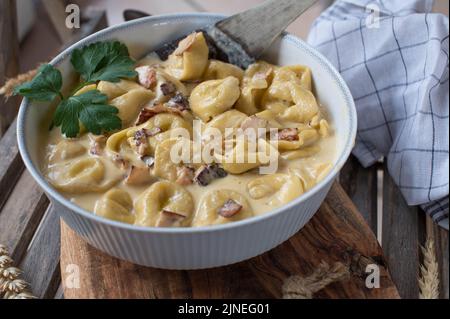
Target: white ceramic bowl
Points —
{"points": [[204, 247]]}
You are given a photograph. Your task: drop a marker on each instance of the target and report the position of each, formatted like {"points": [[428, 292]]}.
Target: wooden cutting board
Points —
{"points": [[336, 233]]}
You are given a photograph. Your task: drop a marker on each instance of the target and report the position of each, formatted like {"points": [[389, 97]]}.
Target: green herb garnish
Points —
{"points": [[100, 61]]}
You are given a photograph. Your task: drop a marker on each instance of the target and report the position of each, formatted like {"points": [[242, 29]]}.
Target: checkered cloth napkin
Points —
{"points": [[394, 56]]}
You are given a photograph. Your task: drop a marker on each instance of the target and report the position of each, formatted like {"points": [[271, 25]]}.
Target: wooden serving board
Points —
{"points": [[336, 233]]}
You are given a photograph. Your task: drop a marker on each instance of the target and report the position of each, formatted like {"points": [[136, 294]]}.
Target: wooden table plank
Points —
{"points": [[9, 62], [361, 186], [21, 215], [401, 239], [336, 233], [41, 263], [11, 165]]}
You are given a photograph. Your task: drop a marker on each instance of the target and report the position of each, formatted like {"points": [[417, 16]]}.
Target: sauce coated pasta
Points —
{"points": [[196, 136]]}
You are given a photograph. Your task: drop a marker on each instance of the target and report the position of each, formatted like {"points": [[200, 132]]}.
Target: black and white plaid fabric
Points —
{"points": [[394, 56]]}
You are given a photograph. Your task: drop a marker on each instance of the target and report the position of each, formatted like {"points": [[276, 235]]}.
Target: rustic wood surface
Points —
{"points": [[31, 229], [336, 233], [9, 59], [361, 186]]}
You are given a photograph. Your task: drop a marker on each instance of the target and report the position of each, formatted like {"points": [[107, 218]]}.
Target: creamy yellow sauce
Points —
{"points": [[87, 183]]}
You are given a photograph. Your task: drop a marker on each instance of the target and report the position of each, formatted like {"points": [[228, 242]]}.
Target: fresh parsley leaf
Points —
{"points": [[91, 109], [103, 61], [44, 87]]}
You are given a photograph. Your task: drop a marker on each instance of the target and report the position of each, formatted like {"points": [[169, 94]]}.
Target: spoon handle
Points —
{"points": [[257, 28]]}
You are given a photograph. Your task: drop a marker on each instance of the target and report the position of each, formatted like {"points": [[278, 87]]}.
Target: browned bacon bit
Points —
{"points": [[185, 44], [179, 102], [150, 111], [185, 175], [145, 114], [138, 176], [148, 160], [146, 76], [229, 209], [169, 219], [288, 134], [207, 173], [168, 88]]}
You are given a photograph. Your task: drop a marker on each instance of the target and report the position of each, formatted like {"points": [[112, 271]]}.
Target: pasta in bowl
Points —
{"points": [[204, 151]]}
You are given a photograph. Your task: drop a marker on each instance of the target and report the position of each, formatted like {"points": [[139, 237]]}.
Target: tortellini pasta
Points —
{"points": [[130, 104], [211, 205], [257, 79], [66, 150], [203, 142], [164, 198], [214, 97], [81, 176], [220, 70], [278, 188], [117, 205], [189, 60], [283, 78], [113, 90], [166, 153], [230, 120], [245, 155]]}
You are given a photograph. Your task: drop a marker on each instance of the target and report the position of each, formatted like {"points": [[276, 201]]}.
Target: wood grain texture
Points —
{"points": [[11, 165], [336, 233], [21, 215], [9, 62], [41, 263], [361, 186], [402, 235], [56, 11]]}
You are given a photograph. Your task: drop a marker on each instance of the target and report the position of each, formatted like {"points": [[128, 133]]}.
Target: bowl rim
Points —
{"points": [[181, 17]]}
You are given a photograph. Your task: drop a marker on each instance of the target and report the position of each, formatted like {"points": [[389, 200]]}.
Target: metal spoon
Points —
{"points": [[243, 37]]}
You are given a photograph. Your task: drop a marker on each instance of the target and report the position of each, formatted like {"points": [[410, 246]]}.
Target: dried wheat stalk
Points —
{"points": [[297, 287], [11, 286], [8, 89], [429, 272]]}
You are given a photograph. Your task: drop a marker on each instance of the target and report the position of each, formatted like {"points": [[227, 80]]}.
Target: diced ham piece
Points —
{"points": [[185, 175], [229, 209], [146, 76], [138, 176], [169, 219], [288, 134]]}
